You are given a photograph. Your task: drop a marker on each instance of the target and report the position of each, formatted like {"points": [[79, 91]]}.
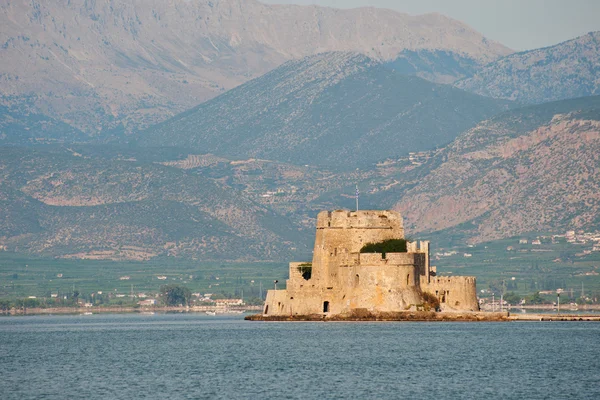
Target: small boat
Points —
{"points": [[211, 313]]}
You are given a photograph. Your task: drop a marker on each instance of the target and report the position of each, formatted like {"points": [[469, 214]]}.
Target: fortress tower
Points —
{"points": [[341, 279]]}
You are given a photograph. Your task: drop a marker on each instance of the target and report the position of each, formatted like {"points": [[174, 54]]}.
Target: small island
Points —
{"points": [[363, 268]]}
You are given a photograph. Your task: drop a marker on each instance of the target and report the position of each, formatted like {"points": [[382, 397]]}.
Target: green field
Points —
{"points": [[548, 266], [22, 276]]}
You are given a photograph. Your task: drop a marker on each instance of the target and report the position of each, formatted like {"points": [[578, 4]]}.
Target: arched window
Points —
{"points": [[325, 306]]}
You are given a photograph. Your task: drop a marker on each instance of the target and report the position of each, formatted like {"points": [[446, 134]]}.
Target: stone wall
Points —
{"points": [[453, 292]]}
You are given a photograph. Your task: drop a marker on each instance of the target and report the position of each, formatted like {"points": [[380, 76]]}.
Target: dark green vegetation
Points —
{"points": [[175, 295], [386, 246], [566, 70], [336, 109], [306, 270], [430, 302]]}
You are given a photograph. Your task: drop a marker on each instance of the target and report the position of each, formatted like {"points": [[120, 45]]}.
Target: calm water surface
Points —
{"points": [[197, 356]]}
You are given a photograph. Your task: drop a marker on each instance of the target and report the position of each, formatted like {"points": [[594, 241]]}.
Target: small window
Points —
{"points": [[266, 309], [407, 279], [356, 280], [325, 306]]}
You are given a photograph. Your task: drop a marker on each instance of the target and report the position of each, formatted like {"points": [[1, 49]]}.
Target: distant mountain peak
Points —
{"points": [[567, 70], [105, 63], [341, 110]]}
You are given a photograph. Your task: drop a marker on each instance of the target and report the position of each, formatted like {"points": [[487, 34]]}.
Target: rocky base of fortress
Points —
{"points": [[428, 316], [365, 315]]}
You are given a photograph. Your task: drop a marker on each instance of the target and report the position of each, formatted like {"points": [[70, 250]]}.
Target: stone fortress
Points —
{"points": [[341, 280]]}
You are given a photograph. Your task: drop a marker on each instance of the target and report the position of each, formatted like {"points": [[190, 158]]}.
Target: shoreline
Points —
{"points": [[123, 310], [426, 316], [406, 316]]}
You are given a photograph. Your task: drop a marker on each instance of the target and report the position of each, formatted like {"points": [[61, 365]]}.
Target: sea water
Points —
{"points": [[193, 356]]}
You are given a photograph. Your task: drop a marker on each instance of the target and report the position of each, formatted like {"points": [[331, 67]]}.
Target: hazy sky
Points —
{"points": [[518, 24]]}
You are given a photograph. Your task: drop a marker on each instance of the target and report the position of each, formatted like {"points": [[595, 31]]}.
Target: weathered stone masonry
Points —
{"points": [[343, 280]]}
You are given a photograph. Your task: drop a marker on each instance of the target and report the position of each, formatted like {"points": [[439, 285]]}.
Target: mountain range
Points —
{"points": [[106, 64], [211, 130], [335, 109], [532, 169], [567, 70]]}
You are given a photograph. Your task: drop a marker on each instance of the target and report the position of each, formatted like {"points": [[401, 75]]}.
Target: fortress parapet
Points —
{"points": [[340, 279], [341, 219]]}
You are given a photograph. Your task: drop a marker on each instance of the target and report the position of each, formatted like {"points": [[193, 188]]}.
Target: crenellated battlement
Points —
{"points": [[364, 219], [441, 280]]}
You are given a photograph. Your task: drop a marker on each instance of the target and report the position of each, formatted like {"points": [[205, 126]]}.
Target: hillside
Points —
{"points": [[534, 169], [440, 66], [67, 203], [20, 125], [110, 63], [335, 109], [567, 70]]}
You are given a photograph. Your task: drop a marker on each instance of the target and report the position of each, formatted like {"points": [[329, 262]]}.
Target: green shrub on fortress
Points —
{"points": [[306, 270], [430, 302], [386, 246]]}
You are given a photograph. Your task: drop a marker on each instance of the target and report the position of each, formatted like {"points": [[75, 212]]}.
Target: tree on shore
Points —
{"points": [[536, 298], [512, 298], [175, 295]]}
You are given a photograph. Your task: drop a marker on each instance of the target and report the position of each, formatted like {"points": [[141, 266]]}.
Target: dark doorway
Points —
{"points": [[325, 306]]}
